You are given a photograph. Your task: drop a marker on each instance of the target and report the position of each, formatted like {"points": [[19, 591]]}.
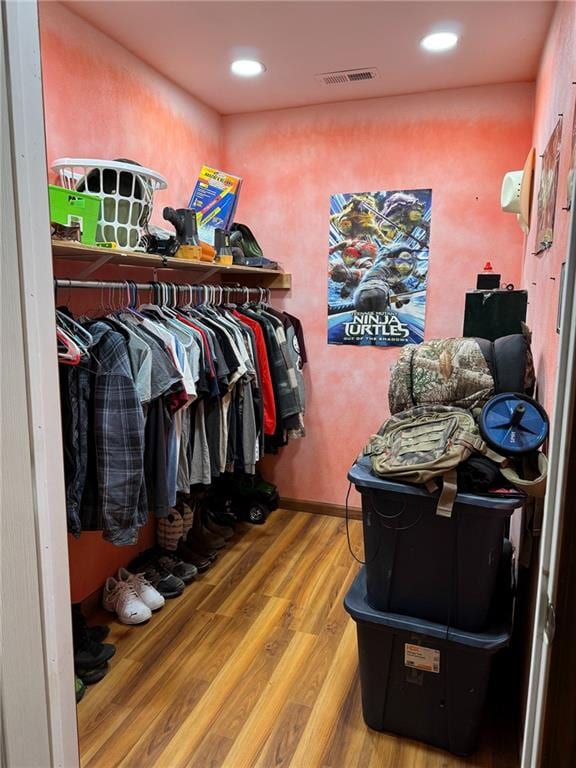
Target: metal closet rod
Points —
{"points": [[65, 283]]}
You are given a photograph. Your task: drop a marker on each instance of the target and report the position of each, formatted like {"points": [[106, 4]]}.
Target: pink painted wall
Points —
{"points": [[459, 143], [102, 102], [554, 94]]}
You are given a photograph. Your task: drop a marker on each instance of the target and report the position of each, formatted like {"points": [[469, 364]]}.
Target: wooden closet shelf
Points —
{"points": [[97, 257]]}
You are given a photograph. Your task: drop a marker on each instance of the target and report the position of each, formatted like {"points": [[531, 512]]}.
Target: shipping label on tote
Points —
{"points": [[378, 267], [547, 190]]}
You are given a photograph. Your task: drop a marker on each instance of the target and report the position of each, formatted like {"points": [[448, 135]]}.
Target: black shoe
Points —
{"points": [[161, 579], [88, 654], [92, 655], [99, 632], [91, 676], [187, 572], [158, 575]]}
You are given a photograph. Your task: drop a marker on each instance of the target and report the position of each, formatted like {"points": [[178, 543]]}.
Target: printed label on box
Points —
{"points": [[418, 657]]}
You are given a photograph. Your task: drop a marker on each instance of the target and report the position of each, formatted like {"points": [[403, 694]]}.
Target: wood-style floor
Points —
{"points": [[255, 665]]}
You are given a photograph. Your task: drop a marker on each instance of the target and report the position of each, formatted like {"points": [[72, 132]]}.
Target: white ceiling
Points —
{"points": [[193, 44]]}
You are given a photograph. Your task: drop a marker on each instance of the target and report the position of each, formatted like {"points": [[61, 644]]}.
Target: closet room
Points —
{"points": [[288, 296]]}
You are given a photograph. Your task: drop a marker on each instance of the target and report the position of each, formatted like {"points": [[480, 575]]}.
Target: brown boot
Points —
{"points": [[219, 530], [202, 536], [186, 554]]}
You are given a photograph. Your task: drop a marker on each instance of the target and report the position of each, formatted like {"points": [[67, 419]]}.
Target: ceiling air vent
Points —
{"points": [[347, 76]]}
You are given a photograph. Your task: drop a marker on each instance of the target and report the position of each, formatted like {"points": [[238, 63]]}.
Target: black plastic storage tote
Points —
{"points": [[422, 680], [418, 563]]}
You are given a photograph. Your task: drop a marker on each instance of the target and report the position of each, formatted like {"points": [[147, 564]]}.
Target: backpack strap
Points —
{"points": [[490, 454], [532, 482], [449, 491], [475, 443]]}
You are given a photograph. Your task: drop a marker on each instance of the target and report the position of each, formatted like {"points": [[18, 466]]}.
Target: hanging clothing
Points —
{"points": [[114, 477], [264, 370], [172, 398]]}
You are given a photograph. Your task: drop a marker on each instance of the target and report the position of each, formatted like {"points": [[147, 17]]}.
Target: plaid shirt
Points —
{"points": [[117, 437]]}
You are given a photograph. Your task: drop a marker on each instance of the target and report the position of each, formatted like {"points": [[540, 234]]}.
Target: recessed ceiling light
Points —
{"points": [[439, 41], [247, 67]]}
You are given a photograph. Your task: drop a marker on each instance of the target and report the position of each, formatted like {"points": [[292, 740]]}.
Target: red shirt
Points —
{"points": [[265, 377]]}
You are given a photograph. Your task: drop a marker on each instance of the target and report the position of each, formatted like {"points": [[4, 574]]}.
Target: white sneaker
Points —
{"points": [[145, 591], [121, 597]]}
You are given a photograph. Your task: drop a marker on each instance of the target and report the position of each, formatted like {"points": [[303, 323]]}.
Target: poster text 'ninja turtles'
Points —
{"points": [[378, 266]]}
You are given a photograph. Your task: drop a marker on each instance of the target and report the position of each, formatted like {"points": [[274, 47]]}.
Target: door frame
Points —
{"points": [[561, 458], [39, 725], [37, 659]]}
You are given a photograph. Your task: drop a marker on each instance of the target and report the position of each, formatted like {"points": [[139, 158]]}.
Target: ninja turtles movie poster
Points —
{"points": [[378, 266]]}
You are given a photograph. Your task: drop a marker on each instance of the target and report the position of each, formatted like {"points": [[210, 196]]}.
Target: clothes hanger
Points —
{"points": [[69, 353], [157, 309], [188, 304], [74, 331], [215, 300], [128, 307], [228, 303], [172, 300]]}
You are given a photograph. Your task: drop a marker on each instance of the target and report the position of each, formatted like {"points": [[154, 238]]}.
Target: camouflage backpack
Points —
{"points": [[426, 442]]}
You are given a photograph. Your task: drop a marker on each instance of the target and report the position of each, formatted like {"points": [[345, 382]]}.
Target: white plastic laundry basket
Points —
{"points": [[125, 188]]}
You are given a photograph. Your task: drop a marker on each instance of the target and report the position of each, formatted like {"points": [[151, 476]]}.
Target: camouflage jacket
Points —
{"points": [[440, 372]]}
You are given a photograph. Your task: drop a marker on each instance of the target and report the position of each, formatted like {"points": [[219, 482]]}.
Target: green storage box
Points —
{"points": [[68, 207]]}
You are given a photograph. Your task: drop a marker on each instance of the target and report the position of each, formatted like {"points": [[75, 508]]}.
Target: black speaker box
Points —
{"points": [[492, 314]]}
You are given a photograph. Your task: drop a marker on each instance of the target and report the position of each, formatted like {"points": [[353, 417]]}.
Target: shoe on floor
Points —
{"points": [[149, 595], [121, 598], [161, 579], [80, 627], [92, 654], [211, 538], [205, 541], [87, 652], [169, 529], [168, 584], [187, 554], [200, 546], [92, 676], [225, 531], [177, 567], [99, 632], [80, 689], [187, 514]]}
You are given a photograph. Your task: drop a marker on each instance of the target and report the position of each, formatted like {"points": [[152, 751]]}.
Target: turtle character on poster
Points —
{"points": [[378, 267]]}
